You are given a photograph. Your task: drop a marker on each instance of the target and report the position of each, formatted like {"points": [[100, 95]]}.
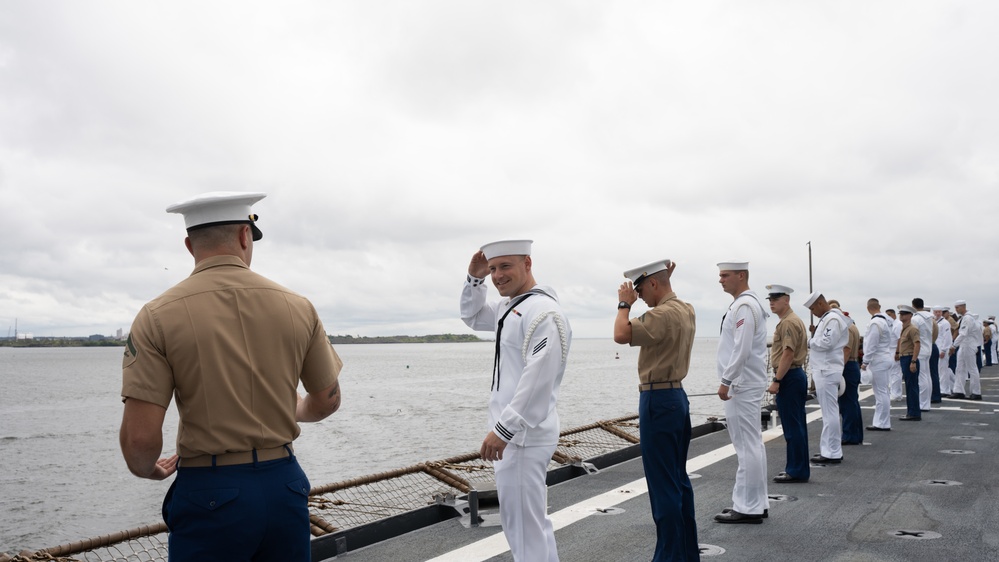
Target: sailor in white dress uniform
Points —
{"points": [[969, 338], [532, 344], [923, 321], [825, 349], [879, 356], [742, 352], [944, 343]]}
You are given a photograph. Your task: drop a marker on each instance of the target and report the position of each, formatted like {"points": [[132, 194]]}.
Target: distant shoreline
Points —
{"points": [[435, 338], [336, 340]]}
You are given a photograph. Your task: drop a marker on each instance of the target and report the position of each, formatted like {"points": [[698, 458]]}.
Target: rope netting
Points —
{"points": [[359, 501]]}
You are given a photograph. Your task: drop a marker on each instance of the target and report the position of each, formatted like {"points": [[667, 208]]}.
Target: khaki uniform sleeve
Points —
{"points": [[649, 328], [322, 365], [146, 373]]}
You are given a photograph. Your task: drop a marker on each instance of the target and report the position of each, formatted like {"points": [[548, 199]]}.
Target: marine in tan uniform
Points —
{"points": [[790, 383], [849, 402], [987, 342], [908, 357], [231, 347], [665, 336]]}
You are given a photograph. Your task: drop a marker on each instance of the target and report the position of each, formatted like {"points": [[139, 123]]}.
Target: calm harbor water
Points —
{"points": [[62, 477]]}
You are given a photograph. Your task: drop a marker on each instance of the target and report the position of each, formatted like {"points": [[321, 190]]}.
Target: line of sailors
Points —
{"points": [[908, 348], [928, 350]]}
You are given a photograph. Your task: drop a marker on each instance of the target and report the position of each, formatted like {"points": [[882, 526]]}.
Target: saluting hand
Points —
{"points": [[627, 293], [479, 266]]}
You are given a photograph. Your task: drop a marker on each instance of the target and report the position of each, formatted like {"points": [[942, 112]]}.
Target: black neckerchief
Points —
{"points": [[499, 332]]}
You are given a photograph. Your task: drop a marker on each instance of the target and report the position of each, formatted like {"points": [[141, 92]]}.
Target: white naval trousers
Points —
{"points": [[895, 381], [742, 415], [880, 373], [946, 375], [925, 381], [967, 368], [523, 497], [827, 393]]}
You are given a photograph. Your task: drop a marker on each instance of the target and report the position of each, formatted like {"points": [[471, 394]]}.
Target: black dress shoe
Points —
{"points": [[910, 418], [733, 516], [975, 397], [785, 478], [957, 396], [766, 512], [876, 428], [819, 459]]}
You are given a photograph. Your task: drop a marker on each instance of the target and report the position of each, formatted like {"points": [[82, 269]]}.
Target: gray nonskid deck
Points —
{"points": [[924, 491]]}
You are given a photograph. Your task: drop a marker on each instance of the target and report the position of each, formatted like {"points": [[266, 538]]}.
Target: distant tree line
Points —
{"points": [[93, 341], [62, 342], [435, 338]]}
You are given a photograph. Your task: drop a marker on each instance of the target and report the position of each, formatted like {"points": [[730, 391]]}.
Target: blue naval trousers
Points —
{"points": [[664, 428], [849, 405], [245, 512], [911, 386], [935, 374], [791, 409]]}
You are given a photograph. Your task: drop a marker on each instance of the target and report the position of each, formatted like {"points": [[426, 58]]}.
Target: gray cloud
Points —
{"points": [[395, 138]]}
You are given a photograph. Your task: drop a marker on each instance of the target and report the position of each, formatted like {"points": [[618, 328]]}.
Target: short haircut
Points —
{"points": [[873, 302], [917, 303], [210, 237], [660, 276]]}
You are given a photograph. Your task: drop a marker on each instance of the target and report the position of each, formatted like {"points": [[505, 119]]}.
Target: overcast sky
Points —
{"points": [[395, 138]]}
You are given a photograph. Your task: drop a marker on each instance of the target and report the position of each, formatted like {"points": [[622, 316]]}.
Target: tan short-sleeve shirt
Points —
{"points": [[853, 342], [790, 334], [231, 346], [908, 340], [665, 334]]}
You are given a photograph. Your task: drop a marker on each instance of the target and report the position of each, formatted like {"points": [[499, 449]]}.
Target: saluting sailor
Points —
{"points": [[742, 373], [826, 351], [879, 356], [532, 345], [790, 383]]}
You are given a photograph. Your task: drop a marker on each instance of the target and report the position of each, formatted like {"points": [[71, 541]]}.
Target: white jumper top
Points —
{"points": [[534, 345], [827, 343], [742, 349]]}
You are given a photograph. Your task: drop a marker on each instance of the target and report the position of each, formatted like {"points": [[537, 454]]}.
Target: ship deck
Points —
{"points": [[923, 491]]}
